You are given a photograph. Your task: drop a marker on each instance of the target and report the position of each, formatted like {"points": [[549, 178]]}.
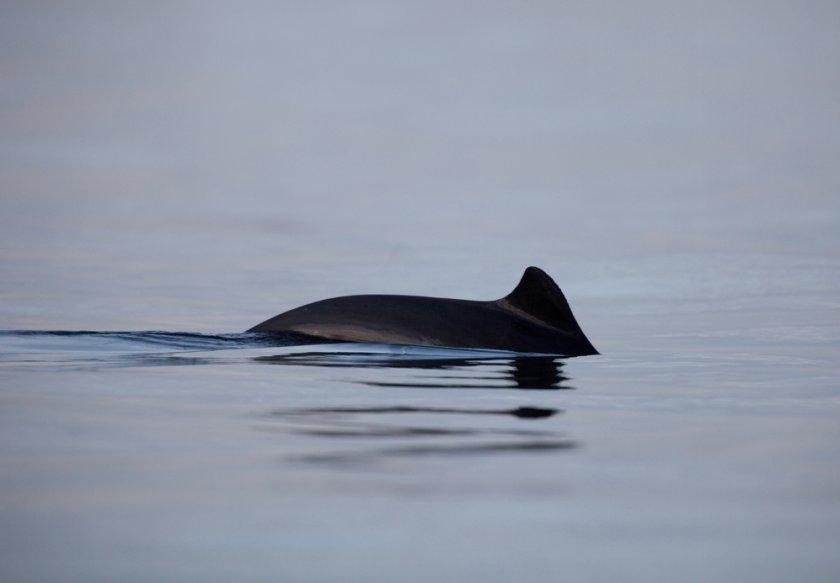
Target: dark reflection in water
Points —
{"points": [[351, 429], [365, 435], [423, 367], [523, 372], [344, 421], [333, 434], [521, 412], [537, 373], [465, 449]]}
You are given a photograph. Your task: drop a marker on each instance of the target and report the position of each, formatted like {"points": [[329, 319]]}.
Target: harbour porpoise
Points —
{"points": [[535, 317]]}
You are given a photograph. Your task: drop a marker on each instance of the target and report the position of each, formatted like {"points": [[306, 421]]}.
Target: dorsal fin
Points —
{"points": [[538, 297]]}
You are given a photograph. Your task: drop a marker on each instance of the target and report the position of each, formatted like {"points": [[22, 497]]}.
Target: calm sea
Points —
{"points": [[172, 173]]}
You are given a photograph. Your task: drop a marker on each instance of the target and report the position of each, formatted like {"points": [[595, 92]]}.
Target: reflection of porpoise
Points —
{"points": [[534, 317]]}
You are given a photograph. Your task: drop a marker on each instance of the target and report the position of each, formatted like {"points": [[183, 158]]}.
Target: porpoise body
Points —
{"points": [[535, 318]]}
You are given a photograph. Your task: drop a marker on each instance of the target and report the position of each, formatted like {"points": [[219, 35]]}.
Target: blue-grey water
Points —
{"points": [[172, 173]]}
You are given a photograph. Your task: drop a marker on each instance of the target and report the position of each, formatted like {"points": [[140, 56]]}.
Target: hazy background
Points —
{"points": [[207, 150], [201, 166]]}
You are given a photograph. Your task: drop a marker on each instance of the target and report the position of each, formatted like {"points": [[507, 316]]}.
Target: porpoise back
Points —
{"points": [[535, 317]]}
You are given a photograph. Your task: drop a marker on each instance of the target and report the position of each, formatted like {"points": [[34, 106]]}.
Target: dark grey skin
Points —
{"points": [[534, 317]]}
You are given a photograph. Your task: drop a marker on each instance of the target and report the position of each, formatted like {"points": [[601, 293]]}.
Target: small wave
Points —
{"points": [[89, 349], [60, 347], [179, 340]]}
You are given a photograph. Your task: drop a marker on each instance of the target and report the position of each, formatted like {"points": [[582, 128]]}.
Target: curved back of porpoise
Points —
{"points": [[534, 317]]}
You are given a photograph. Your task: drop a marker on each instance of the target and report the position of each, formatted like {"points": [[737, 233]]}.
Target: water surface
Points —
{"points": [[172, 175]]}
